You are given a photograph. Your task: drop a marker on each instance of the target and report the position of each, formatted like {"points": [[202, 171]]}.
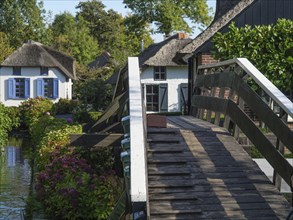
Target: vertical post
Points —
{"points": [[277, 180], [237, 129], [138, 170], [227, 119], [218, 114], [209, 112]]}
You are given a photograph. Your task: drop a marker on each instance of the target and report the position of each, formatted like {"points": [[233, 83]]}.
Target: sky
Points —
{"points": [[59, 6]]}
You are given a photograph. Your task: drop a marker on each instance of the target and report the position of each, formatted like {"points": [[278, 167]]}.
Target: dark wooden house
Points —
{"points": [[241, 12]]}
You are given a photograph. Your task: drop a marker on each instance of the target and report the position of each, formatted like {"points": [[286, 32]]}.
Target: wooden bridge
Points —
{"points": [[197, 170], [191, 168]]}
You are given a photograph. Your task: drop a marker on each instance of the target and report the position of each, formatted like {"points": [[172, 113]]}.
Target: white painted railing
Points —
{"points": [[260, 79], [138, 160]]}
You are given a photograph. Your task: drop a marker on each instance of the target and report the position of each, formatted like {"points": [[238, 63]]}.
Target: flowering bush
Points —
{"points": [[48, 133], [69, 189], [32, 109]]}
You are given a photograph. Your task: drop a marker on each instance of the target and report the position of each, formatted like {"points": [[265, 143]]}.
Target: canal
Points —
{"points": [[15, 177]]}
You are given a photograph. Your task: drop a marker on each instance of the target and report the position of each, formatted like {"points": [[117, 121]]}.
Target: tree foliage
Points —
{"points": [[269, 48], [170, 15], [22, 20], [91, 87], [112, 31], [5, 47], [72, 36]]}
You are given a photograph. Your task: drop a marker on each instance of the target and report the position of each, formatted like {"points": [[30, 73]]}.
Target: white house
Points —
{"points": [[164, 80], [36, 70]]}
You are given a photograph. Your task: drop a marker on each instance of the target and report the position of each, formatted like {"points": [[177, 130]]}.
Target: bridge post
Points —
{"points": [[138, 162], [277, 180]]}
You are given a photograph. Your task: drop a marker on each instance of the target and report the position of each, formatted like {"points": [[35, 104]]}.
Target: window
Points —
{"points": [[157, 98], [47, 87], [44, 71], [159, 73], [18, 88], [16, 71], [152, 98]]}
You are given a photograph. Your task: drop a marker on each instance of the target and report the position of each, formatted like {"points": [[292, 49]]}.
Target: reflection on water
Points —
{"points": [[15, 176]]}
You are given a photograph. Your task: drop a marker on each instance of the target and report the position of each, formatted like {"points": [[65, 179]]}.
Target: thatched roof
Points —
{"points": [[162, 54], [34, 54], [101, 60], [226, 11], [159, 54]]}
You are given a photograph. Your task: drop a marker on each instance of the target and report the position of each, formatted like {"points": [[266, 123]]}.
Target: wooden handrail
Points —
{"points": [[232, 107], [138, 160], [260, 79]]}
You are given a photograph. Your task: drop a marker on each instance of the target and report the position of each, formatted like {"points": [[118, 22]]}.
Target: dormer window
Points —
{"points": [[159, 73], [44, 71], [16, 71]]}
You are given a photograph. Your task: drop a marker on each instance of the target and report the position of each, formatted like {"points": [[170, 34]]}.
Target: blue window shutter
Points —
{"points": [[11, 88], [40, 87], [55, 88], [26, 87]]}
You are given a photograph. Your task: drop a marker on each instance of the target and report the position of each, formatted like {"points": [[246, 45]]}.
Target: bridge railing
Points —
{"points": [[222, 94], [138, 160]]}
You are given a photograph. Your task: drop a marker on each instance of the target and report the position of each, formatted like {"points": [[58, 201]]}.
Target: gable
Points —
{"points": [[34, 54]]}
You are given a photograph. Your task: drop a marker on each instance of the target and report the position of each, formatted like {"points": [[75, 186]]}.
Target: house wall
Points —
{"points": [[175, 76], [65, 88], [206, 58]]}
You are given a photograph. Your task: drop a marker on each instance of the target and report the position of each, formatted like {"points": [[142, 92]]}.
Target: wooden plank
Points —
{"points": [[118, 102], [263, 111], [228, 184], [268, 150], [173, 196], [223, 79], [97, 140]]}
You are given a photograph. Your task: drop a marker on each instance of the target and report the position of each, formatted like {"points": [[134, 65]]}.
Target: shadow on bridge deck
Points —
{"points": [[197, 170]]}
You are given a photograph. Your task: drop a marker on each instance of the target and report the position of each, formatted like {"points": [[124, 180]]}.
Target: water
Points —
{"points": [[15, 176]]}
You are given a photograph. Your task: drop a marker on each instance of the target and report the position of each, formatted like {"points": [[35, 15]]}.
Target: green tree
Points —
{"points": [[114, 33], [91, 87], [269, 48], [170, 15], [5, 48], [106, 27], [137, 32], [72, 36], [22, 20]]}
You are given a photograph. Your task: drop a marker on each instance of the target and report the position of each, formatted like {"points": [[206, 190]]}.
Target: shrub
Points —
{"points": [[65, 106], [86, 117], [32, 109], [14, 114], [6, 124], [100, 160], [268, 47], [48, 133], [69, 189]]}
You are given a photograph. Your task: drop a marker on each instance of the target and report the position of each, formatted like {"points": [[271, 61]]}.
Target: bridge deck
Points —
{"points": [[196, 170]]}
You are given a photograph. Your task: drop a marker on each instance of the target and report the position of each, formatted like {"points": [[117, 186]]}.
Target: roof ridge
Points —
{"points": [[216, 26], [60, 66]]}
